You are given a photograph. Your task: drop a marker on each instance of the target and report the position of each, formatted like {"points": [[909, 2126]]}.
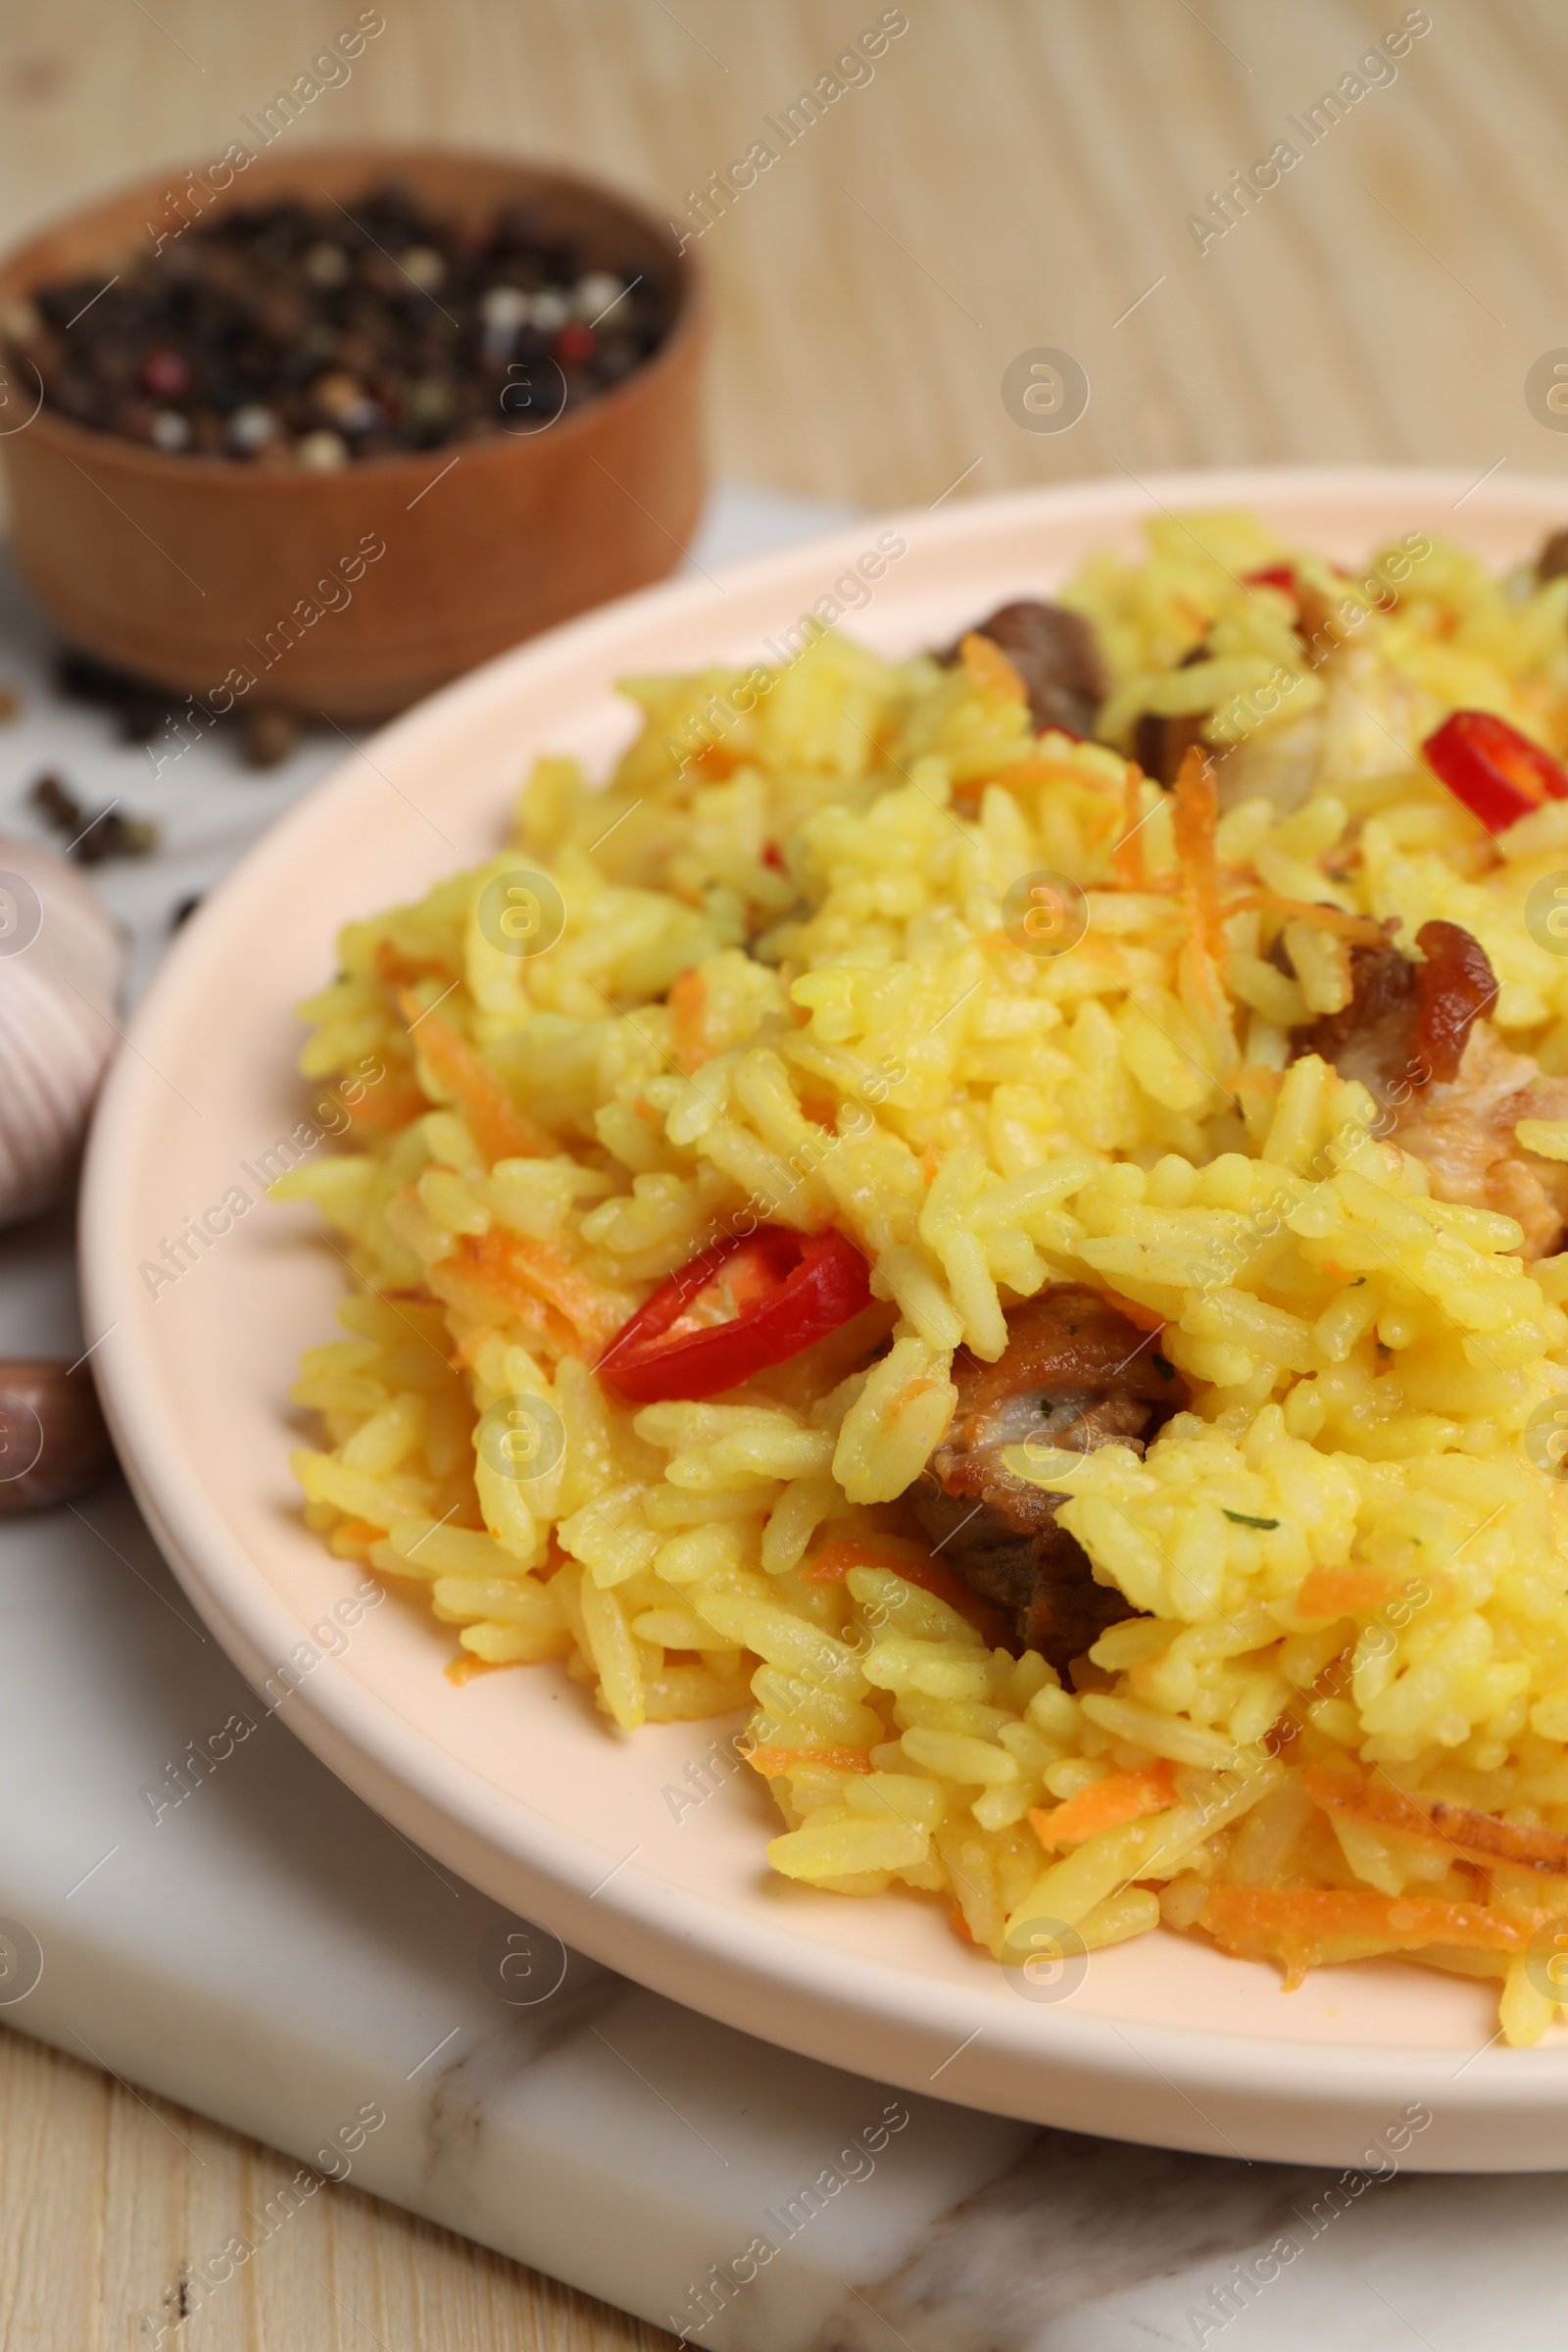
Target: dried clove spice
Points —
{"points": [[269, 734], [89, 838], [136, 704]]}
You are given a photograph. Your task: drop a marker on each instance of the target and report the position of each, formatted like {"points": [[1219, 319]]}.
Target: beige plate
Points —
{"points": [[513, 1781]]}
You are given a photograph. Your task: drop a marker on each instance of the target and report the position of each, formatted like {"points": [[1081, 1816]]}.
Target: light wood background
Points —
{"points": [[1018, 175]]}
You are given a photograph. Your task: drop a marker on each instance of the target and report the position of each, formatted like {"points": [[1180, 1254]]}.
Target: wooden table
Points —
{"points": [[1008, 174]]}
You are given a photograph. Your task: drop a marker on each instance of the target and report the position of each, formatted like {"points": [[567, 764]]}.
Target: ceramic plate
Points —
{"points": [[513, 1781]]}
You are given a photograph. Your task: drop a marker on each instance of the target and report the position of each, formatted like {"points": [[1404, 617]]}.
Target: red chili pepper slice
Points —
{"points": [[734, 1310], [1497, 773], [1275, 575]]}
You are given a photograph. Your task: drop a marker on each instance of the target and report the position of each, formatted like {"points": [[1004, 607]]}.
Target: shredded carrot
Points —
{"points": [[1104, 1806], [1356, 930], [770, 1762], [821, 1110], [1306, 1927], [1127, 858], [910, 1394], [1198, 620], [521, 1273], [962, 1928], [1023, 775], [386, 1106], [1431, 1822], [1195, 815], [507, 1295], [459, 1671], [1253, 1079], [1333, 1677], [395, 970], [991, 673], [898, 1556], [352, 1539], [489, 1113], [721, 760], [687, 1000], [1330, 1593], [897, 1553], [1147, 1318], [715, 761]]}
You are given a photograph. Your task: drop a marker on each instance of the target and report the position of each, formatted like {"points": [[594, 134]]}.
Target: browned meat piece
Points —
{"points": [[1552, 561], [1078, 1374], [1373, 1037], [1407, 1022], [1414, 1036], [1055, 654], [1160, 745], [1464, 1132], [1457, 986]]}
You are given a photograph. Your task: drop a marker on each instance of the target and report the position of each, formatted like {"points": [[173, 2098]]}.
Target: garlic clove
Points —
{"points": [[61, 964], [53, 1440]]}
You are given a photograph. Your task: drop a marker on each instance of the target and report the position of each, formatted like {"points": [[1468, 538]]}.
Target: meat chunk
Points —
{"points": [[1464, 1133], [1055, 654], [1078, 1374], [1407, 1021], [1457, 986], [1160, 745], [1415, 1037], [1373, 1037]]}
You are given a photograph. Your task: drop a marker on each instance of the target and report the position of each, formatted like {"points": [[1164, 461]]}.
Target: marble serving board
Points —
{"points": [[243, 1936]]}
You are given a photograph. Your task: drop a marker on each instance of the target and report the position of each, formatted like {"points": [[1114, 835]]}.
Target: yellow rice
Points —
{"points": [[827, 849]]}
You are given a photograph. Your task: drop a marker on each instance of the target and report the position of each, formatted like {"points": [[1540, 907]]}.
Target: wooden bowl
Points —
{"points": [[205, 574]]}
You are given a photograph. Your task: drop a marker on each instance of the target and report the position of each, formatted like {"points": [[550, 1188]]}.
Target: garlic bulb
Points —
{"points": [[61, 961]]}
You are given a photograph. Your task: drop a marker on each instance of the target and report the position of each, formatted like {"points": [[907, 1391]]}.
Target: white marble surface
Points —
{"points": [[270, 1953]]}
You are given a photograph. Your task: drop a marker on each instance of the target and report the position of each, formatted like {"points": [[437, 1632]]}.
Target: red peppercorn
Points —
{"points": [[166, 374], [574, 343]]}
